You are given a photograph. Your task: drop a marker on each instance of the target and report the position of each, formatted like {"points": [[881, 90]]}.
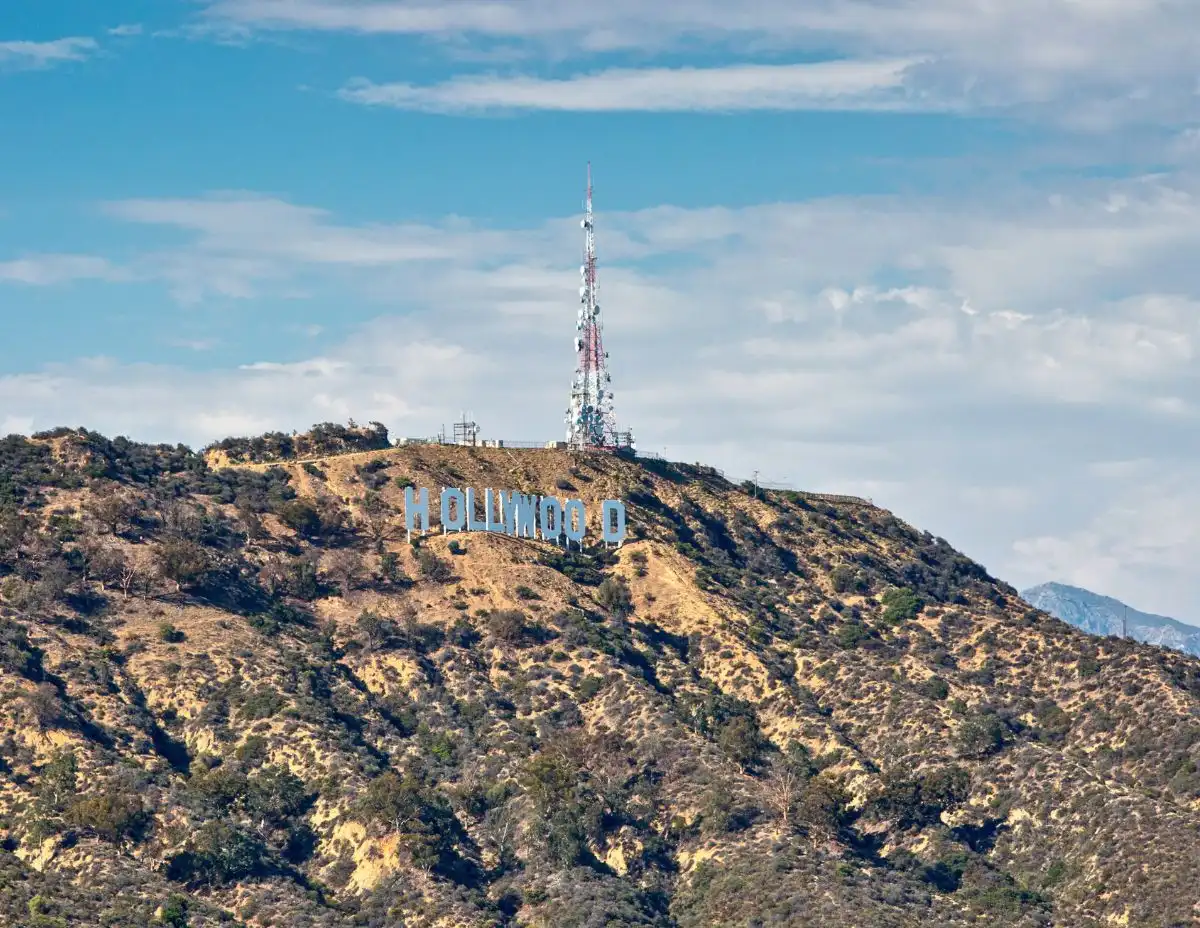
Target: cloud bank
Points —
{"points": [[1088, 65], [876, 85]]}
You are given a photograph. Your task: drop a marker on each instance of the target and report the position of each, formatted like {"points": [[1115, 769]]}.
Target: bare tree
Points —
{"points": [[128, 575], [101, 562], [781, 792], [251, 523], [273, 576], [345, 567], [45, 707], [181, 520], [378, 519], [500, 825]]}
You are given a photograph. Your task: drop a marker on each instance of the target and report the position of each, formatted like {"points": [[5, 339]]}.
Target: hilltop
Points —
{"points": [[1103, 615], [232, 693]]}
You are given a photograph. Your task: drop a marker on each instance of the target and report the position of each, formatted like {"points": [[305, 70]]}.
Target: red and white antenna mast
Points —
{"points": [[591, 423]]}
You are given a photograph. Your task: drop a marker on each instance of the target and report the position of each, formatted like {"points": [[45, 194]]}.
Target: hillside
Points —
{"points": [[236, 696], [1103, 615]]}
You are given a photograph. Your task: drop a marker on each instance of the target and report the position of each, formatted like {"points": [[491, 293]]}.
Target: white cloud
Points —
{"points": [[128, 29], [1086, 64], [47, 269], [25, 54], [1141, 544], [193, 344], [822, 85], [374, 375], [274, 229]]}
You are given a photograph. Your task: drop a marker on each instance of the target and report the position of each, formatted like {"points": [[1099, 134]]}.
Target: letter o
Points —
{"points": [[574, 520], [450, 494]]}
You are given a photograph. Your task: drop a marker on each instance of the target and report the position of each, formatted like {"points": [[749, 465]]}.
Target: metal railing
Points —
{"points": [[833, 498]]}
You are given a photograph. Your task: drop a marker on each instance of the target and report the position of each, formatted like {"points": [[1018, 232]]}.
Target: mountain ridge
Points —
{"points": [[1104, 615]]}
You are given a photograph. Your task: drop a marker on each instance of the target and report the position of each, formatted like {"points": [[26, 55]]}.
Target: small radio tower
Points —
{"points": [[591, 423], [466, 432]]}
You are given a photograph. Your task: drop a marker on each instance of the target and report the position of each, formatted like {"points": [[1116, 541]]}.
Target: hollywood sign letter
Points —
{"points": [[511, 513]]}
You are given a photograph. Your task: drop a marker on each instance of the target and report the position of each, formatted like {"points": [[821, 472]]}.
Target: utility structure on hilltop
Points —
{"points": [[591, 423]]}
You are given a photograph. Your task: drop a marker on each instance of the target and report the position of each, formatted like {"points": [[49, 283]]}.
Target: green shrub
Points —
{"points": [[920, 801], [614, 595], [741, 740], [275, 795], [113, 815], [846, 579], [252, 751], [851, 634], [589, 686], [218, 854], [1053, 724], [900, 604], [433, 567], [822, 805], [507, 625], [981, 734], [174, 912], [935, 688], [183, 562]]}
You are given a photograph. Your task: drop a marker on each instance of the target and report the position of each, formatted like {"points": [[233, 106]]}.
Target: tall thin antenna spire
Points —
{"points": [[590, 420]]}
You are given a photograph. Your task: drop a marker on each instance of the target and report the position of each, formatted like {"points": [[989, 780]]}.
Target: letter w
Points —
{"points": [[519, 514]]}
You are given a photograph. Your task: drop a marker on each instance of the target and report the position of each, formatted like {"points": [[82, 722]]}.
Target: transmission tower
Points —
{"points": [[591, 423], [466, 431]]}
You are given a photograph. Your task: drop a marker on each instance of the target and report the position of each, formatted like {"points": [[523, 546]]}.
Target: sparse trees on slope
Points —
{"points": [[184, 563], [114, 510], [405, 805]]}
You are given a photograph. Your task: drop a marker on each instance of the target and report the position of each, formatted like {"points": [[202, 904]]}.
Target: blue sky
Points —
{"points": [[940, 253]]}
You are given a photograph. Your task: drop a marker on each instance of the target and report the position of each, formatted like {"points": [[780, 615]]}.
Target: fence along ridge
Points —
{"points": [[819, 497]]}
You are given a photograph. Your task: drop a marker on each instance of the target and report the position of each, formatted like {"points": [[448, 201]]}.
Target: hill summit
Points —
{"points": [[233, 693]]}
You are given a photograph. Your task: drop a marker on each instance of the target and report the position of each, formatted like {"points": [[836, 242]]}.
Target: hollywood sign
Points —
{"points": [[509, 513]]}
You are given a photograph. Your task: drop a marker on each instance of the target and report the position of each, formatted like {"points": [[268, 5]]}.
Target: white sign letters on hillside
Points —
{"points": [[516, 514]]}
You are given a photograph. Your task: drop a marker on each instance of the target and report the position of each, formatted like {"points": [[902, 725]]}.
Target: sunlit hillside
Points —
{"points": [[232, 692]]}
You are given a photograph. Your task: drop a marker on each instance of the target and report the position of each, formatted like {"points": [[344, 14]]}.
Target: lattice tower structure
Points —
{"points": [[466, 431], [591, 422]]}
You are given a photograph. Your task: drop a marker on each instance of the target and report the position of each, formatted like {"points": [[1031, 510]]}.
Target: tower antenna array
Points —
{"points": [[591, 422]]}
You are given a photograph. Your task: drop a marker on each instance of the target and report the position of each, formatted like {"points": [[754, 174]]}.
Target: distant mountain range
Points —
{"points": [[1102, 615]]}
